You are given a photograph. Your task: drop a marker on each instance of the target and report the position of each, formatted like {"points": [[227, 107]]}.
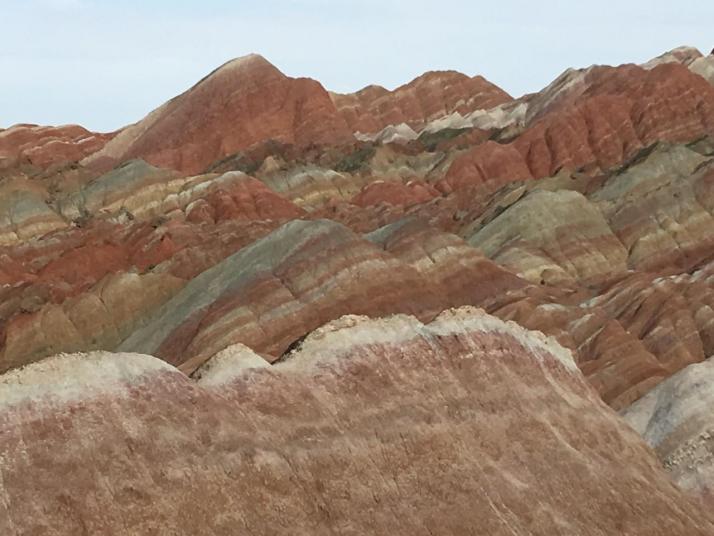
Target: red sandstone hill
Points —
{"points": [[430, 96], [596, 119], [199, 127], [245, 102]]}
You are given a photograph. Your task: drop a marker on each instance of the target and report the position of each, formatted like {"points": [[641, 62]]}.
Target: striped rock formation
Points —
{"points": [[431, 96], [632, 251], [41, 147], [596, 120], [255, 208], [466, 425], [690, 57], [273, 292], [24, 212], [196, 129], [573, 242], [639, 332]]}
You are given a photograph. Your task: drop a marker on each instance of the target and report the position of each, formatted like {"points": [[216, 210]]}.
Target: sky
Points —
{"points": [[107, 63]]}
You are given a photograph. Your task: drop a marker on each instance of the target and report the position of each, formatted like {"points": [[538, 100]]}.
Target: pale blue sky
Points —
{"points": [[106, 63]]}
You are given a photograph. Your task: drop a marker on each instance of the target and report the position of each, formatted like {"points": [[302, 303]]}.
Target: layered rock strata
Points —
{"points": [[384, 426]]}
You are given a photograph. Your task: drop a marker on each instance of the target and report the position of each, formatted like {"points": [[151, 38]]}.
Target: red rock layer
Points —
{"points": [[432, 95], [246, 102], [306, 273], [42, 147], [634, 335], [458, 273], [248, 200], [464, 426], [622, 270], [395, 193], [486, 162], [608, 260], [272, 293], [621, 111], [53, 291]]}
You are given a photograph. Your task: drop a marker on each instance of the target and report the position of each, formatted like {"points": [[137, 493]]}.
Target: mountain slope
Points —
{"points": [[245, 102], [466, 425]]}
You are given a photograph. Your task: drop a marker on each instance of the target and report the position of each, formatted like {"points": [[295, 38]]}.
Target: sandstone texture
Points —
{"points": [[466, 425], [42, 147]]}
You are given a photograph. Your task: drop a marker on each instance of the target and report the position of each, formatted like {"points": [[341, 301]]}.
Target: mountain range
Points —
{"points": [[267, 308]]}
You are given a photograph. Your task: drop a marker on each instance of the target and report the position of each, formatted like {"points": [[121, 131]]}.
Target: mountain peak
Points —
{"points": [[683, 54], [241, 66], [248, 61], [242, 103]]}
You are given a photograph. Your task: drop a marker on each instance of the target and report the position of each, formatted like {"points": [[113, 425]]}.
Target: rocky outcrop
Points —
{"points": [[657, 205], [690, 57], [139, 191], [633, 303], [41, 147], [271, 293], [499, 117], [401, 133], [457, 272], [314, 186], [144, 225], [634, 335], [395, 193], [55, 277], [661, 207], [676, 421], [243, 103], [385, 426], [704, 67], [489, 162]]}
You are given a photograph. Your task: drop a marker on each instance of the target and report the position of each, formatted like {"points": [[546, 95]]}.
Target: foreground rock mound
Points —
{"points": [[467, 425]]}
